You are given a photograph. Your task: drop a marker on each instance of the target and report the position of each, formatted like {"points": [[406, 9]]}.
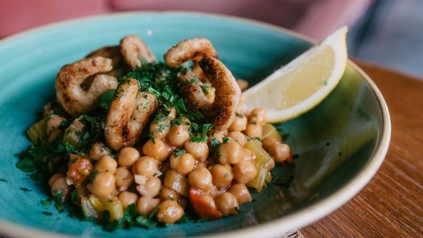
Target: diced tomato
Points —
{"points": [[203, 204], [79, 168]]}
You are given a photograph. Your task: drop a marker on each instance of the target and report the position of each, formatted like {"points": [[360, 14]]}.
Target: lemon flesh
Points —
{"points": [[303, 83]]}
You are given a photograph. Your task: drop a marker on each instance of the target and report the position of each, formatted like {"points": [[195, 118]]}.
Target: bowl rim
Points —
{"points": [[275, 227]]}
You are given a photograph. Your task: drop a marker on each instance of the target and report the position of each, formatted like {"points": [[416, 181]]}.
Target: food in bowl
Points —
{"points": [[129, 140]]}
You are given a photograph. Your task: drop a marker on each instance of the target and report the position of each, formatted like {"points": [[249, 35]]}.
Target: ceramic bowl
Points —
{"points": [[338, 146]]}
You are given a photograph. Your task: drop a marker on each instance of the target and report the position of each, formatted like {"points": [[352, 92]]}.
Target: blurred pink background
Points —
{"points": [[314, 18]]}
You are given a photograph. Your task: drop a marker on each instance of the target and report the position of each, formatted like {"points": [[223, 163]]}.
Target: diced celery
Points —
{"points": [[260, 180], [115, 208], [38, 131], [177, 182], [88, 209], [73, 134], [96, 203], [269, 177], [262, 157], [270, 130]]}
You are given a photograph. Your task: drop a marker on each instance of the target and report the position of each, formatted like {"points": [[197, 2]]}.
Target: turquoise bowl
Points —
{"points": [[338, 146]]}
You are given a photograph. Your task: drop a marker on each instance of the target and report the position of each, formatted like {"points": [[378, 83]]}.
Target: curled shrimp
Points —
{"points": [[113, 53], [71, 93], [228, 94], [221, 107], [130, 111], [134, 49], [191, 49]]}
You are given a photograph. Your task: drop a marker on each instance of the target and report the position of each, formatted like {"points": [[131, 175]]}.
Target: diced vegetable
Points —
{"points": [[73, 134], [96, 203], [177, 182], [203, 204], [270, 130], [115, 208], [79, 168], [88, 209], [38, 132], [262, 158], [260, 180]]}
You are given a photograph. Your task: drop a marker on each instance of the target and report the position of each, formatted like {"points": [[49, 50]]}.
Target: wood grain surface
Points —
{"points": [[391, 205]]}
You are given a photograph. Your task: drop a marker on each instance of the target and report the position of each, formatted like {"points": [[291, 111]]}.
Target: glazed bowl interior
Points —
{"points": [[338, 146]]}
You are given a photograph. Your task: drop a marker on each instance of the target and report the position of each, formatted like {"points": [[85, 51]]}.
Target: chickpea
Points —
{"points": [[145, 205], [230, 152], [200, 150], [103, 185], [98, 150], [55, 177], [168, 193], [127, 198], [218, 135], [280, 152], [222, 175], [200, 178], [58, 183], [247, 154], [151, 187], [124, 177], [244, 171], [54, 124], [268, 142], [160, 129], [178, 135], [238, 137], [169, 212], [106, 164], [158, 149], [239, 123], [147, 166], [254, 131], [182, 164], [258, 115], [127, 156], [227, 204], [240, 191]]}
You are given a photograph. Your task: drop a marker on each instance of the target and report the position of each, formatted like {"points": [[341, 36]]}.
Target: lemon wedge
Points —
{"points": [[303, 83]]}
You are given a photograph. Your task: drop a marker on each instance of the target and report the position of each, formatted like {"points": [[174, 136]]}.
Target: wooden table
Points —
{"points": [[391, 205]]}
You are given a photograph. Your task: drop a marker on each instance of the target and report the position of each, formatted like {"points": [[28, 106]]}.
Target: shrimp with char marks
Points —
{"points": [[130, 111], [223, 109], [191, 49], [113, 53], [134, 49], [70, 92], [227, 94]]}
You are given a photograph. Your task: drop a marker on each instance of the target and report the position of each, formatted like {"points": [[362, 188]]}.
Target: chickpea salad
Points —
{"points": [[132, 141]]}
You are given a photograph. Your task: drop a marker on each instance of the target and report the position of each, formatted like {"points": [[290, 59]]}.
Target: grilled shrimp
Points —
{"points": [[113, 53], [134, 49], [130, 111], [222, 106], [191, 49], [222, 110], [70, 90]]}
